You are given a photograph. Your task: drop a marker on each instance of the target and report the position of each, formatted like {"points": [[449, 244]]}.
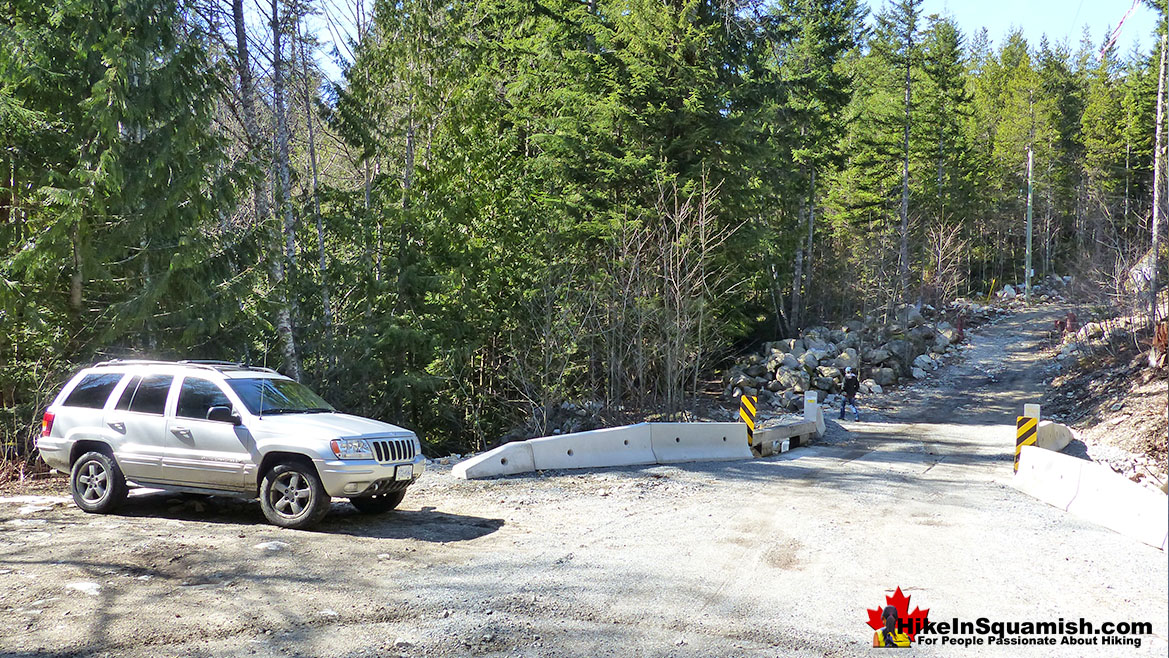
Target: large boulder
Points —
{"points": [[910, 315], [851, 326], [918, 373], [756, 370], [870, 386], [792, 345], [790, 362], [1053, 436], [879, 355], [885, 376], [809, 360], [925, 363], [848, 359], [774, 387], [829, 372], [814, 342], [824, 384]]}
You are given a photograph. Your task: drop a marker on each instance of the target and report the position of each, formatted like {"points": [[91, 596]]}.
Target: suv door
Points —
{"points": [[139, 416], [202, 452]]}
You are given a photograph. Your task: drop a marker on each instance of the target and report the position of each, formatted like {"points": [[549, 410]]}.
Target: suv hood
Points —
{"points": [[323, 426]]}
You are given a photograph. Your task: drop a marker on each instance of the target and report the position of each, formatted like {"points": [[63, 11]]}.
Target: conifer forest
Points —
{"points": [[483, 209]]}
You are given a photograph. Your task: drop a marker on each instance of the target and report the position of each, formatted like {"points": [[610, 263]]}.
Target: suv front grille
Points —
{"points": [[393, 450]]}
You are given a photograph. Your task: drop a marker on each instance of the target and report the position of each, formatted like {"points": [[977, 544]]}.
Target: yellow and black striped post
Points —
{"points": [[1026, 430], [747, 405]]}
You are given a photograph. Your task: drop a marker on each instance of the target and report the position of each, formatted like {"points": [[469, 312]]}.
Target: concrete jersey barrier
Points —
{"points": [[689, 442], [1095, 493], [630, 445], [613, 446]]}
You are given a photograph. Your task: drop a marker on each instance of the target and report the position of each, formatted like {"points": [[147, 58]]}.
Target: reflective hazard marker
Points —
{"points": [[1026, 430], [747, 405]]}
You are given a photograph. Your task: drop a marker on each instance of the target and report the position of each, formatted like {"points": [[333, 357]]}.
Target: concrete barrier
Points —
{"points": [[631, 445], [774, 440], [688, 442], [1053, 436], [507, 459], [1095, 493], [613, 446]]}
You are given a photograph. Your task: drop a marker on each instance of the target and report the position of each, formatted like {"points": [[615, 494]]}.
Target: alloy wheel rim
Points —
{"points": [[290, 494], [94, 481]]}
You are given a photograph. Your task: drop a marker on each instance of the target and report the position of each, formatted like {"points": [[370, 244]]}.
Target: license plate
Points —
{"points": [[404, 472]]}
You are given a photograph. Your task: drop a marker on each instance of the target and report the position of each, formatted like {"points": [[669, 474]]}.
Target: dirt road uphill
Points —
{"points": [[773, 557]]}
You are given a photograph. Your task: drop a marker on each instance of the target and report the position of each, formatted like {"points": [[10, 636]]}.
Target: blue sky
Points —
{"points": [[1060, 20]]}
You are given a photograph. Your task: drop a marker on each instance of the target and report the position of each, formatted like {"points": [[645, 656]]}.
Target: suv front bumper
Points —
{"points": [[345, 478]]}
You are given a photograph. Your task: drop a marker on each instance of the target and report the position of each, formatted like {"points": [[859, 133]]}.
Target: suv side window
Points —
{"points": [[128, 393], [197, 396], [150, 397], [93, 390]]}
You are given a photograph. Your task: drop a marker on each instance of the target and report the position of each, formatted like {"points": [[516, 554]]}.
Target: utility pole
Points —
{"points": [[1030, 157], [1027, 265]]}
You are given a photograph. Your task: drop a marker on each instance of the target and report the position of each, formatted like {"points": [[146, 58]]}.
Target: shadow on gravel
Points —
{"points": [[426, 524]]}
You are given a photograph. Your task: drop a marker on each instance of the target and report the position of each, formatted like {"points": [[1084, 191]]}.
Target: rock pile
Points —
{"points": [[1048, 290], [881, 354]]}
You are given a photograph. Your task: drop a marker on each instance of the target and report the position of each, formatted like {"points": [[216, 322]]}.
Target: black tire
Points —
{"points": [[97, 483], [378, 503], [292, 496]]}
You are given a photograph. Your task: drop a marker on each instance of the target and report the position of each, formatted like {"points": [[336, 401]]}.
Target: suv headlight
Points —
{"points": [[351, 449]]}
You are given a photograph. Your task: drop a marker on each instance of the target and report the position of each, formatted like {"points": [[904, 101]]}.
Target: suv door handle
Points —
{"points": [[118, 427], [181, 432]]}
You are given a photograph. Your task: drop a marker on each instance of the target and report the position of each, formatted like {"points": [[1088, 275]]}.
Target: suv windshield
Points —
{"points": [[278, 396]]}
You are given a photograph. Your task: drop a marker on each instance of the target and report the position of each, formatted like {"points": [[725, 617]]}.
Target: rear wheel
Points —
{"points": [[378, 503], [97, 484], [292, 496]]}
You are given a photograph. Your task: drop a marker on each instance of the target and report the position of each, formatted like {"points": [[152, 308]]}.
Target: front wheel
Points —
{"points": [[378, 503], [97, 483], [292, 496]]}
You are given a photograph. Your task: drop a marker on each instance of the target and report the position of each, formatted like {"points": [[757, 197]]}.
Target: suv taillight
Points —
{"points": [[47, 423]]}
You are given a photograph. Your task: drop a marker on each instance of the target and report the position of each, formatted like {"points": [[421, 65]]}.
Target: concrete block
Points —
{"points": [[688, 442], [1095, 493], [1047, 477], [507, 459], [1115, 502], [613, 446], [1053, 436]]}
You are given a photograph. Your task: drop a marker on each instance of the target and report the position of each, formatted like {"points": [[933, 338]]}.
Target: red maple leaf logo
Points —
{"points": [[908, 623]]}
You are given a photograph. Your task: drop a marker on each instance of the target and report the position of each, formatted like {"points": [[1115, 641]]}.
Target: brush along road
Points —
{"points": [[776, 556]]}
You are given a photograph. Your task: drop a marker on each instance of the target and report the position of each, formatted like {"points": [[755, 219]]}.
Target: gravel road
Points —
{"points": [[773, 557]]}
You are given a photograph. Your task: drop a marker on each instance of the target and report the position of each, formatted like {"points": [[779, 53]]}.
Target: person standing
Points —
{"points": [[852, 385]]}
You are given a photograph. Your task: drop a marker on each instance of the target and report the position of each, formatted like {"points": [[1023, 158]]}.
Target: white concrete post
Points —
{"points": [[811, 405], [1031, 411]]}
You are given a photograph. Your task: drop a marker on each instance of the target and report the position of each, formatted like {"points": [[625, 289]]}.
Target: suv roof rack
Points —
{"points": [[208, 364]]}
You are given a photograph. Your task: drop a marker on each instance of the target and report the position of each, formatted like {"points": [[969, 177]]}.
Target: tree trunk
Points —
{"points": [[326, 308], [811, 230], [903, 271], [75, 279], [281, 274], [798, 281], [1158, 167]]}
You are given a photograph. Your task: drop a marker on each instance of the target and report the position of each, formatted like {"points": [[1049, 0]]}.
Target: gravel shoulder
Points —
{"points": [[776, 556]]}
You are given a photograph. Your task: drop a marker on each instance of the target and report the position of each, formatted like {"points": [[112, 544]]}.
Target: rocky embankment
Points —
{"points": [[912, 345]]}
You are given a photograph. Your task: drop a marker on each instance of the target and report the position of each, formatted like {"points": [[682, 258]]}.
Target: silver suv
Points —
{"points": [[225, 429]]}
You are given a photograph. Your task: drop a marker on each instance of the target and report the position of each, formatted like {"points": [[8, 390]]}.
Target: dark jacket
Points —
{"points": [[851, 385]]}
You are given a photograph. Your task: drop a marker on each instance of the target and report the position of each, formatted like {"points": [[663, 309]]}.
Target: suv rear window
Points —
{"points": [[150, 398], [197, 396], [93, 390]]}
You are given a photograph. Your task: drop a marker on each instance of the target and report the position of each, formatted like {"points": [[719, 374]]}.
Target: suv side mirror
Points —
{"points": [[224, 415]]}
